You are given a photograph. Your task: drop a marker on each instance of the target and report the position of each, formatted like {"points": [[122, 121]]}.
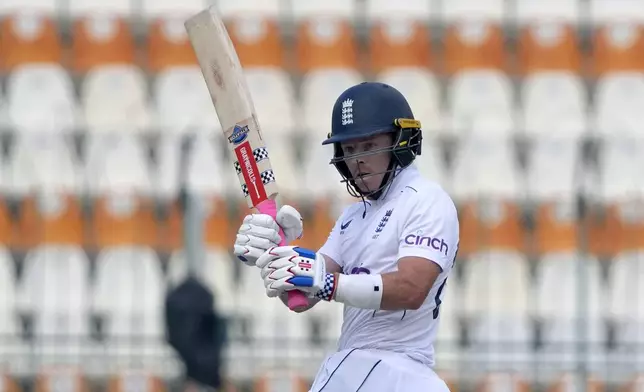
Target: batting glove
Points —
{"points": [[288, 268], [260, 232]]}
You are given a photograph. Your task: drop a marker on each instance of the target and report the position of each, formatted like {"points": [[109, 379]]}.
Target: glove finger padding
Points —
{"points": [[290, 220], [247, 254], [254, 231]]}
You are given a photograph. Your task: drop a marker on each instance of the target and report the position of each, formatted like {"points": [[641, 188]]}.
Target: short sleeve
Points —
{"points": [[331, 247], [431, 230]]}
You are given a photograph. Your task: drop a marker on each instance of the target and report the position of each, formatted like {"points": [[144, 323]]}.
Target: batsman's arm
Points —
{"points": [[332, 267]]}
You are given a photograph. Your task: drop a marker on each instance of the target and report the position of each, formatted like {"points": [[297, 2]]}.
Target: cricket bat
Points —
{"points": [[231, 97]]}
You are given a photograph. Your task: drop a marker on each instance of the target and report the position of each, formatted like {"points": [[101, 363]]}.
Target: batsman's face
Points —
{"points": [[371, 160]]}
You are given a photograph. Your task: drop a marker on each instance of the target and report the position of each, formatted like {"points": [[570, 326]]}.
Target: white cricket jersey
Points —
{"points": [[414, 217]]}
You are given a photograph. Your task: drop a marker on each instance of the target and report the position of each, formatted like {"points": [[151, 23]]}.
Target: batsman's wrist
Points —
{"points": [[327, 293], [360, 291]]}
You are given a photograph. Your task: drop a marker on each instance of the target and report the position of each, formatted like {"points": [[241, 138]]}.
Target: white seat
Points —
{"points": [[115, 99], [625, 294], [410, 9], [448, 336], [8, 315], [480, 95], [539, 10], [554, 167], [12, 355], [80, 8], [548, 95], [117, 163], [320, 178], [288, 173], [319, 91], [269, 318], [245, 8], [183, 103], [43, 163], [465, 9], [618, 101], [559, 279], [45, 6], [317, 8], [421, 90], [4, 116], [274, 98], [162, 8], [168, 169], [485, 167], [619, 178], [41, 99], [217, 271], [496, 290], [602, 11], [133, 314], [206, 173], [430, 164], [56, 291]]}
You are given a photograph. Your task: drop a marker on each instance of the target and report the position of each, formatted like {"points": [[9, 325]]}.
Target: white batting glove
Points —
{"points": [[286, 268], [259, 232]]}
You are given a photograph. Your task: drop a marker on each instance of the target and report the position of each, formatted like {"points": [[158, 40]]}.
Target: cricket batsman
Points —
{"points": [[387, 259]]}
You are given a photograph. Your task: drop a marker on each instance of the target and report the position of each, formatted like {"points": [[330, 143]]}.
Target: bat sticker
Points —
{"points": [[266, 176], [259, 154], [239, 134]]}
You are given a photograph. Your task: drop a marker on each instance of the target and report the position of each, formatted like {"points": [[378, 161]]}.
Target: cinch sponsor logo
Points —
{"points": [[434, 243], [360, 270]]}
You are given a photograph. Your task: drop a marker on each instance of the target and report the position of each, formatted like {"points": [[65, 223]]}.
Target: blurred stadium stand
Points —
{"points": [[533, 113]]}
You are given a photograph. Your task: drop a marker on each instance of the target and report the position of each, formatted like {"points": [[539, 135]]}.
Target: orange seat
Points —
{"points": [[491, 225], [257, 41], [171, 228], [49, 380], [140, 381], [278, 380], [617, 48], [474, 45], [50, 219], [396, 44], [556, 228], [634, 385], [326, 42], [502, 381], [168, 45], [9, 384], [218, 232], [6, 225], [321, 224], [548, 46], [123, 220], [28, 38], [620, 228], [100, 40], [566, 383]]}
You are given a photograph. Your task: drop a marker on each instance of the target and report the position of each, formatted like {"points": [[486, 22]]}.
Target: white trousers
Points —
{"points": [[356, 370]]}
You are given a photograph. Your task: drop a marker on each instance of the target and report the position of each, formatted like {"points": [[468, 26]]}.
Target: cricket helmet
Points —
{"points": [[369, 109]]}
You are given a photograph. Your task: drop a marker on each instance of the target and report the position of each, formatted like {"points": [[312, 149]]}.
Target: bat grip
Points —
{"points": [[296, 298]]}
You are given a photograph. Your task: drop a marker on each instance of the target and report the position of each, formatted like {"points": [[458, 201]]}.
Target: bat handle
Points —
{"points": [[296, 298]]}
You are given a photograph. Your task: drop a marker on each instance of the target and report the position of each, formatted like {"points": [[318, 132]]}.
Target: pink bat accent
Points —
{"points": [[296, 299]]}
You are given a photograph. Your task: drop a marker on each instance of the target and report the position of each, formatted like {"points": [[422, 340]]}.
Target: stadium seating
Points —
{"points": [[398, 34], [41, 99], [531, 113]]}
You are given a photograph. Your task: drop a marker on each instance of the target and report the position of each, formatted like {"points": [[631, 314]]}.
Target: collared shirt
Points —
{"points": [[414, 217]]}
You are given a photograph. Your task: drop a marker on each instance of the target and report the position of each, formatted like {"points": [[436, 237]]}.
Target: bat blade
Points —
{"points": [[231, 98]]}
